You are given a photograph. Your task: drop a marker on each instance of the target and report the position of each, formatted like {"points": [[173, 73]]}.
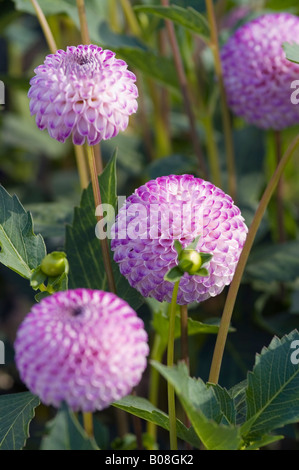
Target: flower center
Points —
{"points": [[80, 64], [77, 311]]}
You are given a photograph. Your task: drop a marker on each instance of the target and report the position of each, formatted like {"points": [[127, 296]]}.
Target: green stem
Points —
{"points": [[227, 128], [157, 352], [88, 423], [280, 191], [45, 26], [170, 360], [185, 92], [82, 167], [83, 22], [98, 202], [234, 287], [212, 151], [131, 17]]}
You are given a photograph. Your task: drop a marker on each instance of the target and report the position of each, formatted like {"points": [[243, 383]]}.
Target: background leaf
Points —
{"points": [[272, 394], [278, 263], [292, 51], [65, 433], [187, 17], [16, 412], [20, 249], [83, 248], [144, 409], [203, 409]]}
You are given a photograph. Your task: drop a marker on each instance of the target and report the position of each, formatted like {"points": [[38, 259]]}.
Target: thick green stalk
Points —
{"points": [[157, 352], [170, 360], [234, 287], [45, 26]]}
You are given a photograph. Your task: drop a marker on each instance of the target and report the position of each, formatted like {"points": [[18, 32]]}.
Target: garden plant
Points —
{"points": [[149, 250]]}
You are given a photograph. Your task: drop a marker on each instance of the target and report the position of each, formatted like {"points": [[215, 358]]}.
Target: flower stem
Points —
{"points": [[170, 359], [185, 92], [82, 167], [279, 192], [88, 423], [184, 335], [212, 151], [45, 26], [83, 22], [98, 202], [157, 351], [131, 17], [214, 43], [234, 287]]}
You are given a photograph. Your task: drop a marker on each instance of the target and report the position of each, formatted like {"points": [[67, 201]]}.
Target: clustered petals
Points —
{"points": [[84, 92], [257, 75], [177, 208], [83, 347]]}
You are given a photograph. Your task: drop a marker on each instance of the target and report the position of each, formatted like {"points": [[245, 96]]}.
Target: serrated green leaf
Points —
{"points": [[64, 432], [173, 275], [264, 441], [202, 408], [272, 395], [227, 404], [161, 324], [20, 249], [83, 248], [291, 51], [278, 263], [16, 413], [144, 409], [238, 394], [186, 17]]}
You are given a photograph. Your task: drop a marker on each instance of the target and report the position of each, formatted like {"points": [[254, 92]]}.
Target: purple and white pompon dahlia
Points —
{"points": [[84, 92], [85, 347], [177, 208], [257, 76]]}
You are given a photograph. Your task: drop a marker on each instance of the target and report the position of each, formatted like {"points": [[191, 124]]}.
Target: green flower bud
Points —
{"points": [[190, 261], [54, 264]]}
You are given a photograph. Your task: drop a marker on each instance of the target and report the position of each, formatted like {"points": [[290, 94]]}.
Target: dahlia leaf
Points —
{"points": [[174, 274], [264, 441], [193, 244], [272, 394], [66, 433], [203, 409], [16, 413], [83, 248], [20, 249], [186, 17], [148, 62], [142, 408], [203, 272], [205, 257], [160, 324], [178, 247], [291, 51], [276, 263]]}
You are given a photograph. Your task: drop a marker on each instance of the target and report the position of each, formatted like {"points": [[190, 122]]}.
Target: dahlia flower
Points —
{"points": [[257, 75], [177, 208], [85, 347], [84, 92]]}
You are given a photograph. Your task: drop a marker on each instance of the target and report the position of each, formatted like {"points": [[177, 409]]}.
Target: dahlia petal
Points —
{"points": [[99, 344], [144, 262]]}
